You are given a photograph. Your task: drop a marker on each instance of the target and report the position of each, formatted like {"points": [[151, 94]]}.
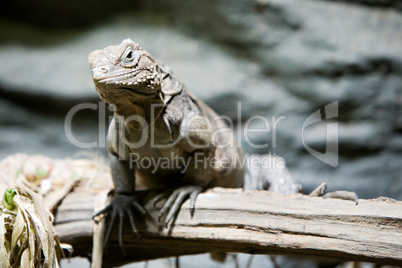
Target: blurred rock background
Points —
{"points": [[277, 57]]}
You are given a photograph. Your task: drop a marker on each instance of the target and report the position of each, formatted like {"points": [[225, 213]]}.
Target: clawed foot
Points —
{"points": [[177, 196], [122, 206], [345, 195]]}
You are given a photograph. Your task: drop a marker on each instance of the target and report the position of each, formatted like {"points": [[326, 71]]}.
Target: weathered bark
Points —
{"points": [[260, 222]]}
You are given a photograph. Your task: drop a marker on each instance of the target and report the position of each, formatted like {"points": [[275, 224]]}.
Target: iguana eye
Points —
{"points": [[128, 55]]}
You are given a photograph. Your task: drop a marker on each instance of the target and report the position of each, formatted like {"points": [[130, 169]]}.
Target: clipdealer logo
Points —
{"points": [[331, 154]]}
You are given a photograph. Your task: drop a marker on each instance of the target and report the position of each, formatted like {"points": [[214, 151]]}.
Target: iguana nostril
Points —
{"points": [[100, 72]]}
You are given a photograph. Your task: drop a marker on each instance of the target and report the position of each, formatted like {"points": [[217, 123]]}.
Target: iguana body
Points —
{"points": [[156, 117]]}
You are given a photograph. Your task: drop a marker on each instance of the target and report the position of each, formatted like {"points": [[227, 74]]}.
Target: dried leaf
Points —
{"points": [[4, 260], [46, 228], [25, 262], [33, 247], [18, 228], [37, 246]]}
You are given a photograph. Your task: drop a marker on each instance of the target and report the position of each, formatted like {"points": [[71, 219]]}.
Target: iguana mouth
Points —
{"points": [[137, 92], [121, 76]]}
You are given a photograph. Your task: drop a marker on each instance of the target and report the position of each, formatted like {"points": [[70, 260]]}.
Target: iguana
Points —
{"points": [[156, 118]]}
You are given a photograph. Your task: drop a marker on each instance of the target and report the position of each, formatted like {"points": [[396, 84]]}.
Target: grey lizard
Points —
{"points": [[156, 117]]}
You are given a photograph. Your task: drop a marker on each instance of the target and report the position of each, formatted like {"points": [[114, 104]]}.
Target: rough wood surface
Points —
{"points": [[233, 220]]}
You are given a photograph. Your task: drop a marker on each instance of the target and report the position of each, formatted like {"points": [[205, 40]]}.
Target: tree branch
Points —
{"points": [[232, 220]]}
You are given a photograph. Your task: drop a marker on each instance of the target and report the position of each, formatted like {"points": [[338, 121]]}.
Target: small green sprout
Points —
{"points": [[8, 199]]}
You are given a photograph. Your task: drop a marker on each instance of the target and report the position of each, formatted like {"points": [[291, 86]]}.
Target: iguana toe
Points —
{"points": [[176, 199], [345, 195]]}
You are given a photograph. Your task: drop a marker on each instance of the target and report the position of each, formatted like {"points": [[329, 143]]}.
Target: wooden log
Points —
{"points": [[257, 222]]}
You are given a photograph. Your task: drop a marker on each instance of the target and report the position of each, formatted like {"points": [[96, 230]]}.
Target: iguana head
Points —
{"points": [[124, 72]]}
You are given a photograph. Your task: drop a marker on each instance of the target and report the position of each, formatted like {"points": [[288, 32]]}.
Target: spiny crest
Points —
{"points": [[128, 41]]}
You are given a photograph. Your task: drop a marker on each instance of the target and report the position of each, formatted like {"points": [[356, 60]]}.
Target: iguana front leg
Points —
{"points": [[193, 182], [195, 133], [124, 202]]}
